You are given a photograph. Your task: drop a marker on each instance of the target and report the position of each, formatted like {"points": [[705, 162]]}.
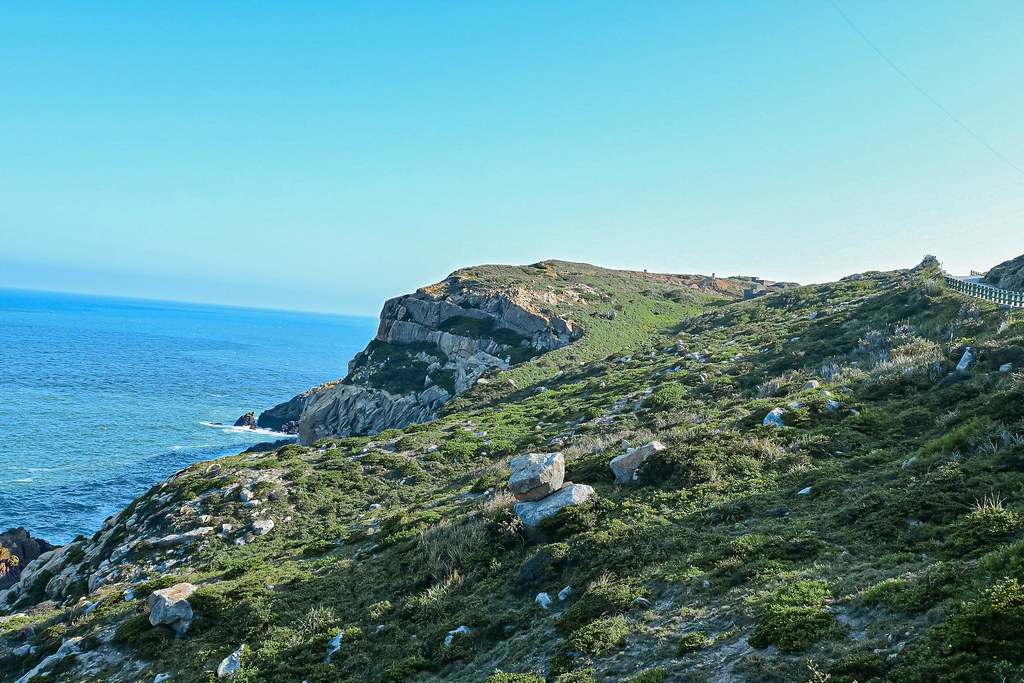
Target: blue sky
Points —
{"points": [[326, 156]]}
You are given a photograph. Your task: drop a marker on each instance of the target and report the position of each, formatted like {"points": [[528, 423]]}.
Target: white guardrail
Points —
{"points": [[1003, 297]]}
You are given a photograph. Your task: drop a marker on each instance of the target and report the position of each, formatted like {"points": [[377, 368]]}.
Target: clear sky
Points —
{"points": [[328, 155]]}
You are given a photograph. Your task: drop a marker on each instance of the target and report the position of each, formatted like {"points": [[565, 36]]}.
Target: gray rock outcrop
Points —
{"points": [[230, 665], [431, 346], [170, 606], [571, 495], [536, 476], [1008, 275], [626, 465], [774, 419]]}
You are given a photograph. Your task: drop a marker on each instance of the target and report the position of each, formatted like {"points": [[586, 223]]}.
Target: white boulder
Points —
{"points": [[170, 606], [626, 465], [533, 513], [230, 665], [966, 360], [774, 419], [536, 475]]}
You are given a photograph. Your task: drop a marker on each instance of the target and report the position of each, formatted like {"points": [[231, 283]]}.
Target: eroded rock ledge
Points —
{"points": [[430, 346]]}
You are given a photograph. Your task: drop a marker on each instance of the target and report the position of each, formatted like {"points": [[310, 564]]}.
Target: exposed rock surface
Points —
{"points": [[534, 513], [69, 648], [170, 606], [230, 665], [625, 466], [774, 419], [247, 420], [1008, 275], [536, 475], [17, 549], [430, 346]]}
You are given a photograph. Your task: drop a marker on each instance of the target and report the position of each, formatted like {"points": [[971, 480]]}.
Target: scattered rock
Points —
{"points": [[184, 538], [460, 631], [248, 420], [774, 419], [780, 512], [262, 527], [804, 491], [832, 404], [160, 678], [170, 606], [543, 599], [536, 475], [26, 649], [813, 384], [1006, 367], [69, 648], [334, 644], [625, 466], [230, 665], [966, 360], [564, 594], [534, 513]]}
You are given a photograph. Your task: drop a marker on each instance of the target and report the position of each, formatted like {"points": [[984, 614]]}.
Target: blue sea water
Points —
{"points": [[101, 398]]}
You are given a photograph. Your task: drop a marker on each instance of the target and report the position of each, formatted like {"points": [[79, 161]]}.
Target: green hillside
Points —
{"points": [[876, 536]]}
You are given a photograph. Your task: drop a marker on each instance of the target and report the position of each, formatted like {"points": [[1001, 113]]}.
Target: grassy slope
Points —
{"points": [[891, 568]]}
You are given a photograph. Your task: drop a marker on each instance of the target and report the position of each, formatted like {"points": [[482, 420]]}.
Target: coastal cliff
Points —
{"points": [[436, 343]]}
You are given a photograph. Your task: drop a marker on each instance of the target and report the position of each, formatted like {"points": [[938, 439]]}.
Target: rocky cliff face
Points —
{"points": [[1008, 275], [431, 345], [17, 549]]}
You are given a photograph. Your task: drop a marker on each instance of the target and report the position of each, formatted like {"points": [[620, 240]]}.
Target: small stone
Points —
{"points": [[966, 360], [262, 527], [1006, 367], [780, 512], [907, 463], [813, 384], [230, 665], [250, 504], [642, 602], [804, 491], [832, 404], [543, 599], [460, 631], [160, 678], [245, 495], [25, 649], [564, 594], [774, 419], [625, 466], [334, 644], [376, 506]]}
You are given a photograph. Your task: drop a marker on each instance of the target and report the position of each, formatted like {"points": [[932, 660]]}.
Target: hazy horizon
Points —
{"points": [[328, 157]]}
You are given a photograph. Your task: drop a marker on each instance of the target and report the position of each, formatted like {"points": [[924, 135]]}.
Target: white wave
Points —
{"points": [[231, 429]]}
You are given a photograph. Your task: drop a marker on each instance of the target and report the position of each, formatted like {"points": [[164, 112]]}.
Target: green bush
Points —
{"points": [[793, 629], [502, 677], [604, 598], [691, 642], [599, 636], [658, 675]]}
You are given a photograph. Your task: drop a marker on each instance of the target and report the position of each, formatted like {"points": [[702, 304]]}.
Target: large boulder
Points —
{"points": [[247, 420], [533, 513], [536, 475], [170, 606], [625, 466]]}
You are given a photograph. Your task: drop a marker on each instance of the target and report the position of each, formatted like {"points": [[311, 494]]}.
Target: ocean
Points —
{"points": [[101, 398]]}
